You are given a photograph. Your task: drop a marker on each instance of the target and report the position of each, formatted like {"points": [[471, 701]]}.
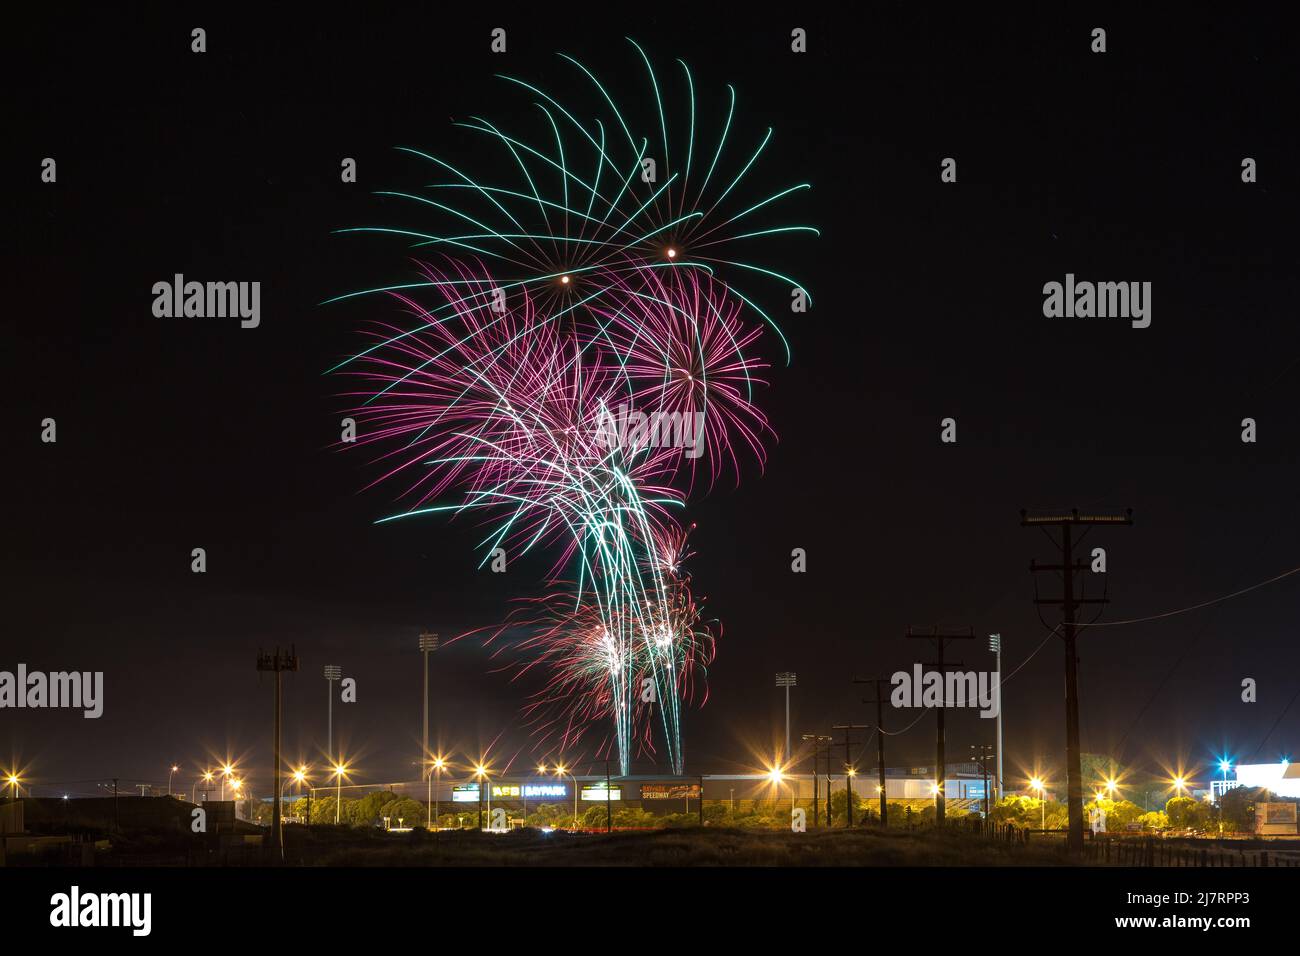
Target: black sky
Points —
{"points": [[175, 434]]}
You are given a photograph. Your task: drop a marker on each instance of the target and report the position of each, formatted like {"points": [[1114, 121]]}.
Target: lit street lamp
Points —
{"points": [[226, 771], [561, 771], [206, 778], [481, 774], [339, 771], [777, 776], [1036, 783], [434, 767], [169, 778]]}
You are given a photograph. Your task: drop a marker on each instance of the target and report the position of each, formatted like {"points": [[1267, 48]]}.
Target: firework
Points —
{"points": [[580, 366]]}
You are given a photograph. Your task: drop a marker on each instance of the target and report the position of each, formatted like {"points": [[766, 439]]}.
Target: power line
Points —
{"points": [[1195, 607]]}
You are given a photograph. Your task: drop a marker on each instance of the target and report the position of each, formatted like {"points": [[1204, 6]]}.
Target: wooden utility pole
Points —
{"points": [[277, 663], [1068, 568], [879, 701], [849, 771], [940, 639], [821, 745]]}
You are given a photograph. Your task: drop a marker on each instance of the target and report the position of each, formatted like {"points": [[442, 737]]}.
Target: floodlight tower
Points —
{"points": [[995, 645], [428, 642], [787, 680], [332, 673]]}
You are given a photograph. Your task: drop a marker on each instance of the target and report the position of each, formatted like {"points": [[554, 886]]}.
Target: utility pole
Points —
{"points": [[940, 639], [995, 645], [609, 810], [332, 673], [429, 642], [879, 701], [849, 771], [277, 663], [786, 679], [1068, 568], [983, 754], [820, 743]]}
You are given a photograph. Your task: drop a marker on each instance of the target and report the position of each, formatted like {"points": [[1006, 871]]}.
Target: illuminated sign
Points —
{"points": [[670, 791], [529, 791], [599, 793], [465, 794], [545, 790]]}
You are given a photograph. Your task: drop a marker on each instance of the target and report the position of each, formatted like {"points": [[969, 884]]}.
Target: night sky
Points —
{"points": [[183, 433]]}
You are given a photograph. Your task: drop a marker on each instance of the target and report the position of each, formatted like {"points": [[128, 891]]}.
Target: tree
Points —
{"points": [[839, 805], [1187, 812], [1237, 808], [1154, 820]]}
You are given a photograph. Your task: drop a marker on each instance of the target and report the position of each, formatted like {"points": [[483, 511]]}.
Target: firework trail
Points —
{"points": [[571, 366]]}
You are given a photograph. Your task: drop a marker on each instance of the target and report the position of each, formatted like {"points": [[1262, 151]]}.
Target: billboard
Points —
{"points": [[598, 793], [465, 794], [670, 791], [1275, 818]]}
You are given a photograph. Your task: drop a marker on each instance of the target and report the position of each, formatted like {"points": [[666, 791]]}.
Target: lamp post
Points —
{"points": [[1037, 784], [299, 778], [170, 774], [339, 770], [435, 767], [786, 679], [332, 673], [226, 771], [561, 771], [481, 775], [777, 776], [428, 642], [12, 780], [206, 778]]}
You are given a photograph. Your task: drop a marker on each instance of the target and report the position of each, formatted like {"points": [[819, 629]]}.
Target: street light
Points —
{"points": [[1036, 783], [226, 771], [777, 776], [12, 781], [206, 778], [481, 774], [169, 779], [560, 771], [339, 770], [435, 766], [1180, 783]]}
